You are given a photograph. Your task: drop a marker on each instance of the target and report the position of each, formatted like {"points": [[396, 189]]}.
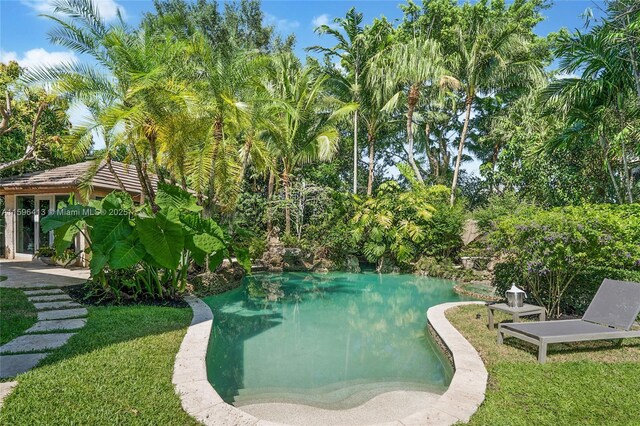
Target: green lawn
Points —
{"points": [[588, 383], [16, 314], [116, 370]]}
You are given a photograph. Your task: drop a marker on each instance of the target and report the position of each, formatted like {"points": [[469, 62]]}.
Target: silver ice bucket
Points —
{"points": [[515, 297]]}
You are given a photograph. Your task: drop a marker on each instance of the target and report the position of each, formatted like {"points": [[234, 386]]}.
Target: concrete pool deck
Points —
{"points": [[462, 398]]}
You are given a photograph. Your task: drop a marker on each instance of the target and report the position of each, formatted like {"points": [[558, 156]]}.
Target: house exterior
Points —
{"points": [[31, 196]]}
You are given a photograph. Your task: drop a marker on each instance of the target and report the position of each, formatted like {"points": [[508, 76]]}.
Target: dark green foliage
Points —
{"points": [[549, 252], [135, 251], [404, 225], [578, 295]]}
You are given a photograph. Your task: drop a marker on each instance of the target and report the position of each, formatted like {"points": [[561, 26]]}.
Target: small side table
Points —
{"points": [[516, 312]]}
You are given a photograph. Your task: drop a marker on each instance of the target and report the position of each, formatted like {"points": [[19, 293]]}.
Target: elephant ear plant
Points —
{"points": [[135, 251]]}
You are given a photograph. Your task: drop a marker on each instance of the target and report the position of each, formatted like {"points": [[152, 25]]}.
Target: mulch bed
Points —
{"points": [[84, 294]]}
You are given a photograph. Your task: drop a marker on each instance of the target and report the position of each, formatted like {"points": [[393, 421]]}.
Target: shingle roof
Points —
{"points": [[74, 174]]}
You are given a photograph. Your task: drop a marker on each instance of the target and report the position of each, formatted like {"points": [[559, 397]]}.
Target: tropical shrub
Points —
{"points": [[551, 250], [140, 251], [578, 295], [403, 225]]}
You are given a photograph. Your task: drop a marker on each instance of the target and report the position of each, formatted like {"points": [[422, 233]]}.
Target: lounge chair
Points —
{"points": [[610, 316]]}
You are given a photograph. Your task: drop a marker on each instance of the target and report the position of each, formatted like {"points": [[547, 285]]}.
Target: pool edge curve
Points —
{"points": [[200, 400]]}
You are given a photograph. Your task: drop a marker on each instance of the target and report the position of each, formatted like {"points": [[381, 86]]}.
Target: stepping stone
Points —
{"points": [[62, 324], [56, 305], [12, 365], [32, 286], [51, 298], [36, 342], [41, 292], [5, 390], [62, 314]]}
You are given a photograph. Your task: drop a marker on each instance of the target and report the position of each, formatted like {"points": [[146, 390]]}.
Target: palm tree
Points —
{"points": [[492, 54], [130, 90], [411, 66], [600, 102], [225, 83], [305, 120], [354, 54]]}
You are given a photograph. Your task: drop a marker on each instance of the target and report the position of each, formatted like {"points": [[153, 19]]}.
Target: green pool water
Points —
{"points": [[328, 340]]}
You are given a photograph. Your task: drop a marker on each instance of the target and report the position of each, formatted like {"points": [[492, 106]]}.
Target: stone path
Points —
{"points": [[59, 317]]}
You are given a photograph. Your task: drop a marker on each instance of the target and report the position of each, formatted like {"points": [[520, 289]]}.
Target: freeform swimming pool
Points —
{"points": [[331, 341]]}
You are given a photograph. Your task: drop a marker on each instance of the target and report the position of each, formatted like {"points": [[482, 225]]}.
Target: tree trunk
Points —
{"points": [[115, 175], [153, 151], [355, 152], [463, 136], [287, 207], [30, 149], [355, 140], [371, 163], [605, 151], [270, 186], [433, 159], [144, 190], [414, 95], [627, 172], [5, 111], [245, 159]]}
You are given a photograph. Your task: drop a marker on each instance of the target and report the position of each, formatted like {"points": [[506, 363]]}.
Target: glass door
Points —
{"points": [[25, 224], [44, 207]]}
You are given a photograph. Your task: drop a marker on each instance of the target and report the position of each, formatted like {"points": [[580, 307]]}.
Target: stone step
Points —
{"points": [[36, 343], [56, 305], [32, 286], [43, 292], [50, 298], [12, 365], [62, 314], [5, 390], [61, 324]]}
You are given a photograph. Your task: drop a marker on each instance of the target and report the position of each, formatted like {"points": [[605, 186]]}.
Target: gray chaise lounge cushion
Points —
{"points": [[559, 328]]}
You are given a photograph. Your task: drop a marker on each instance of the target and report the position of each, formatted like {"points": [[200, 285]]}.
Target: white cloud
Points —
{"points": [[281, 25], [39, 57], [324, 19], [108, 9], [563, 75]]}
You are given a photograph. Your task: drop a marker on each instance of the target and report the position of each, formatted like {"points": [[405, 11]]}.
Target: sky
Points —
{"points": [[23, 33]]}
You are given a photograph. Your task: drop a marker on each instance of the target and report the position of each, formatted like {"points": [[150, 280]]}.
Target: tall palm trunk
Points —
{"points": [[371, 163], [270, 187], [355, 142], [627, 172], [115, 175], [414, 95], [245, 160], [463, 136], [605, 153], [287, 197], [355, 152]]}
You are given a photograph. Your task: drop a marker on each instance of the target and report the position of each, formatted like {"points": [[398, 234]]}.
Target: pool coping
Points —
{"points": [[200, 400]]}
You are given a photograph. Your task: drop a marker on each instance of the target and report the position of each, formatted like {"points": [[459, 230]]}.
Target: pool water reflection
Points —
{"points": [[332, 340]]}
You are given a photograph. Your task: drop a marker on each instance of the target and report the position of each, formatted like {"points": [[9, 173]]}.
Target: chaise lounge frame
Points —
{"points": [[610, 316]]}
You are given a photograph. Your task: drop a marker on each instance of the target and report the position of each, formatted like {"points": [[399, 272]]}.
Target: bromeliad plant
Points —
{"points": [[136, 251]]}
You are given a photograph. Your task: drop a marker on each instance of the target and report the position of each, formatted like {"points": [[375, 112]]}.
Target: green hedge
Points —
{"points": [[580, 292]]}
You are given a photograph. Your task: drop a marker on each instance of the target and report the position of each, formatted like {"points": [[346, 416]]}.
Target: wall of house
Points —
{"points": [[10, 226]]}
